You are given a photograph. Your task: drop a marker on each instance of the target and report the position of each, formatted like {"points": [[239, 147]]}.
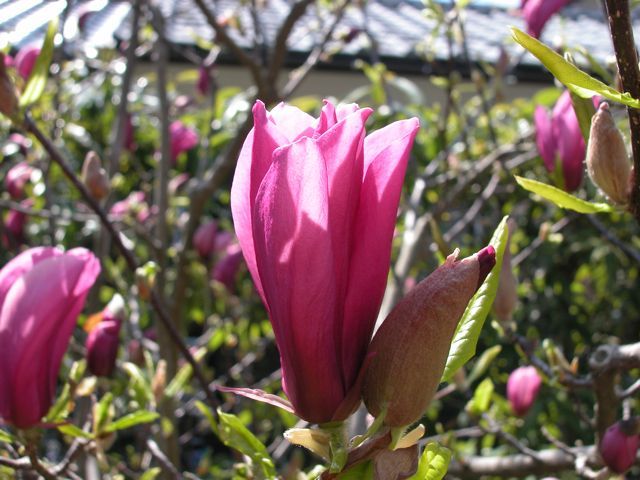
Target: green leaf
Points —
{"points": [[575, 79], [139, 384], [73, 431], [235, 435], [151, 474], [463, 346], [584, 112], [60, 409], [561, 198], [181, 379], [206, 411], [6, 437], [131, 420], [481, 398], [481, 366], [101, 412], [38, 77], [433, 464]]}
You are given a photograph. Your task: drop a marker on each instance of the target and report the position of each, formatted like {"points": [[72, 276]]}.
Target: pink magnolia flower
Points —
{"points": [[135, 202], [204, 239], [559, 138], [537, 13], [183, 139], [42, 291], [619, 447], [16, 179], [522, 389], [14, 223], [314, 204], [104, 339], [26, 59]]}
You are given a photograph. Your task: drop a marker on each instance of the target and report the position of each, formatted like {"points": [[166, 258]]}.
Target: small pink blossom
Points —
{"points": [[16, 179], [183, 139], [522, 389]]}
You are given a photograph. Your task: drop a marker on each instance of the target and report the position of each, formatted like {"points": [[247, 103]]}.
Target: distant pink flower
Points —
{"points": [[225, 269], [14, 224], [103, 341], [522, 389], [134, 202], [314, 205], [22, 142], [8, 61], [536, 13], [26, 59], [203, 85], [619, 447], [16, 179], [204, 239], [42, 292], [178, 182], [559, 138], [183, 139]]}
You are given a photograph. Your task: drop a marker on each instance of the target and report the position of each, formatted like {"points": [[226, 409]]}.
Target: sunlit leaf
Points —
{"points": [[434, 463], [73, 431], [561, 198], [481, 399], [131, 420], [463, 346], [38, 77]]}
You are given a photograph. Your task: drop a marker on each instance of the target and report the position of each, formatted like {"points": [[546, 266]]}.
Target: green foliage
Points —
{"points": [[434, 463], [465, 339], [37, 80], [561, 198]]}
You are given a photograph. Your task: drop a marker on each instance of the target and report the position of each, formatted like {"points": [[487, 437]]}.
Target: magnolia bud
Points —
{"points": [[94, 176], [506, 296], [607, 160], [8, 93], [204, 239], [410, 349], [619, 446], [103, 340], [522, 389]]}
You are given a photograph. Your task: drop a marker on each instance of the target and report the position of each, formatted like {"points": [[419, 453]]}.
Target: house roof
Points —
{"points": [[403, 33]]}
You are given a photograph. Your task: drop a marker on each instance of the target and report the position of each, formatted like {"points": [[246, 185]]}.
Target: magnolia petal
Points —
{"points": [[292, 122], [291, 219], [259, 395], [386, 155], [545, 139]]}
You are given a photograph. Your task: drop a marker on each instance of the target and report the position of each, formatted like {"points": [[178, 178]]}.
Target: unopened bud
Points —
{"points": [[410, 350], [506, 296], [607, 160], [619, 446], [8, 93], [522, 389], [94, 176]]}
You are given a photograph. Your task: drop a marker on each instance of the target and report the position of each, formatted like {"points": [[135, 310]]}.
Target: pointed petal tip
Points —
{"points": [[487, 260]]}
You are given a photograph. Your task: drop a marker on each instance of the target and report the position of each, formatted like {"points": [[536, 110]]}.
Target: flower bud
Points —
{"points": [[522, 389], [410, 349], [8, 93], [619, 446], [26, 59], [506, 296], [16, 179], [204, 239], [103, 341], [94, 176], [226, 268], [607, 160]]}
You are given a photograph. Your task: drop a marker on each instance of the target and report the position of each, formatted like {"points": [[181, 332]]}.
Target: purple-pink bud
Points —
{"points": [[204, 240], [537, 13], [26, 59], [203, 85], [16, 179], [182, 137], [42, 292], [522, 389], [410, 349], [14, 227], [559, 138], [314, 206], [102, 346], [226, 268], [619, 446]]}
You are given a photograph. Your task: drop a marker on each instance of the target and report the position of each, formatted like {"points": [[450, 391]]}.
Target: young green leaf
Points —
{"points": [[151, 474], [73, 431], [575, 79], [481, 398], [561, 198], [38, 77], [463, 346], [235, 435], [6, 437], [131, 420], [481, 365], [206, 411], [433, 464]]}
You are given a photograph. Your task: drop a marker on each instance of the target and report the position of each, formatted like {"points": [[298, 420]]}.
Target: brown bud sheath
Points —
{"points": [[507, 295], [8, 96], [94, 176], [411, 347], [607, 160]]}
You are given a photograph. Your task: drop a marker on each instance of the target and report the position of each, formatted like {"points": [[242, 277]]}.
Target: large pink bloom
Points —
{"points": [[42, 291], [314, 205], [559, 136], [537, 13]]}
